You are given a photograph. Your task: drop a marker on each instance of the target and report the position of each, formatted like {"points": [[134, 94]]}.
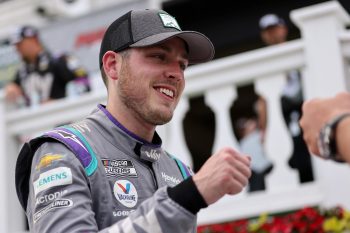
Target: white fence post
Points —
{"points": [[224, 135], [278, 142], [320, 26]]}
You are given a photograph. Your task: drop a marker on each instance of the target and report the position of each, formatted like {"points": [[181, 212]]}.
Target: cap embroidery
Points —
{"points": [[169, 21]]}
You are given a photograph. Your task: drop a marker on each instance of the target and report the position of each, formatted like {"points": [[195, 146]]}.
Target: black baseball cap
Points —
{"points": [[24, 32], [142, 28]]}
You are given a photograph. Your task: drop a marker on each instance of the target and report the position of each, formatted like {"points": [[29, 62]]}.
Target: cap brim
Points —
{"points": [[200, 47], [271, 25]]}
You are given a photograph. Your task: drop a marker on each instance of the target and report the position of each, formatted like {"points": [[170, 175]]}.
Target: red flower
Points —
{"points": [[306, 220]]}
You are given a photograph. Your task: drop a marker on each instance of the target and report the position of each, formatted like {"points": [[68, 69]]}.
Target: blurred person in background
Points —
{"points": [[249, 119], [43, 77], [273, 31]]}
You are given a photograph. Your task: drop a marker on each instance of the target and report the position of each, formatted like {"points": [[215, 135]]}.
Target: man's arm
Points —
{"points": [[59, 196], [317, 112]]}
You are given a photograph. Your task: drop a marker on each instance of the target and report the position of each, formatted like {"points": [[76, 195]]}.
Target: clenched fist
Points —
{"points": [[226, 172]]}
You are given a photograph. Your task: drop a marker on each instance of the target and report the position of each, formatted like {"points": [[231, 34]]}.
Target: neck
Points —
{"points": [[132, 122]]}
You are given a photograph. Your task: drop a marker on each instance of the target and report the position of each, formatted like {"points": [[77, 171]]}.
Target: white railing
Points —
{"points": [[321, 54], [23, 12]]}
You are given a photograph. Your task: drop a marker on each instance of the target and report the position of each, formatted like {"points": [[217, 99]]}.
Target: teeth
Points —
{"points": [[167, 92]]}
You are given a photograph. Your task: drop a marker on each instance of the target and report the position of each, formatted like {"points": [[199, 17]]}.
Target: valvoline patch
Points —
{"points": [[125, 192]]}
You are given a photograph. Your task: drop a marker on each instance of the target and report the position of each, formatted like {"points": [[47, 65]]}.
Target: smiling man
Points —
{"points": [[112, 174]]}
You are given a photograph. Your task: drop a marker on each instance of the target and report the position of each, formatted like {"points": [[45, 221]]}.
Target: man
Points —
{"points": [[109, 173], [326, 123], [274, 31], [42, 77]]}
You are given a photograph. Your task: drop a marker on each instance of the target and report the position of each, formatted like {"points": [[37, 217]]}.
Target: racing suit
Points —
{"points": [[124, 184]]}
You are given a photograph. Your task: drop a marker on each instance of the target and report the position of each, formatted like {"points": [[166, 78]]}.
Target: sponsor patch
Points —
{"points": [[47, 160], [122, 213], [52, 178], [71, 136], [172, 181], [125, 192], [169, 21], [150, 154], [61, 203], [50, 197], [119, 168]]}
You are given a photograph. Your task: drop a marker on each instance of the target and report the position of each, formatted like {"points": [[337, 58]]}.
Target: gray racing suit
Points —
{"points": [[96, 176]]}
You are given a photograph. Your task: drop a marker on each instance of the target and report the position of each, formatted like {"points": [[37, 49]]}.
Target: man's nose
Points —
{"points": [[175, 71]]}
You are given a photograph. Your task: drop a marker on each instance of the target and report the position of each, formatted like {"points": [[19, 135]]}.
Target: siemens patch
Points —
{"points": [[52, 178], [119, 168]]}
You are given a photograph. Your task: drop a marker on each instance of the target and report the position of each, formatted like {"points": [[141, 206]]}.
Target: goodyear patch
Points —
{"points": [[122, 213], [119, 168]]}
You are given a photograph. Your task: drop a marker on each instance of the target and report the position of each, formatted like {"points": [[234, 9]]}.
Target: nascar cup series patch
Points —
{"points": [[125, 192], [119, 168]]}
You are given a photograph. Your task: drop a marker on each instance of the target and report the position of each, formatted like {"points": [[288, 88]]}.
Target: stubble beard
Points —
{"points": [[138, 104]]}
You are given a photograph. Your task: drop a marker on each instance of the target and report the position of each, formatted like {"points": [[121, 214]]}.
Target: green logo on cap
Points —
{"points": [[169, 21]]}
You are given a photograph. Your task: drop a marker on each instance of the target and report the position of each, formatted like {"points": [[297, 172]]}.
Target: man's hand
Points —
{"points": [[317, 112], [226, 172], [12, 92]]}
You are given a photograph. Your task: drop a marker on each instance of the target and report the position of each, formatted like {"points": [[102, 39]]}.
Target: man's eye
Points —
{"points": [[183, 66], [159, 56]]}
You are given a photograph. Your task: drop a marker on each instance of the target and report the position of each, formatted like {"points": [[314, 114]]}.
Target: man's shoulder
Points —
{"points": [[185, 169]]}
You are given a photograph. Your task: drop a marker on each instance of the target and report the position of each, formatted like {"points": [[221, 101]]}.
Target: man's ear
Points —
{"points": [[111, 63]]}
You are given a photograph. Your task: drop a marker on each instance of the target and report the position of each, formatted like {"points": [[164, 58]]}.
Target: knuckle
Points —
{"points": [[226, 150]]}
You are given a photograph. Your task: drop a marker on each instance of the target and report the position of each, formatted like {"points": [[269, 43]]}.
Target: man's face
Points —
{"points": [[25, 47], [274, 35], [151, 81]]}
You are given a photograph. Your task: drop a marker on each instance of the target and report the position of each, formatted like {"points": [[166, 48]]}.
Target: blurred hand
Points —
{"points": [[317, 112], [226, 172], [12, 92]]}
